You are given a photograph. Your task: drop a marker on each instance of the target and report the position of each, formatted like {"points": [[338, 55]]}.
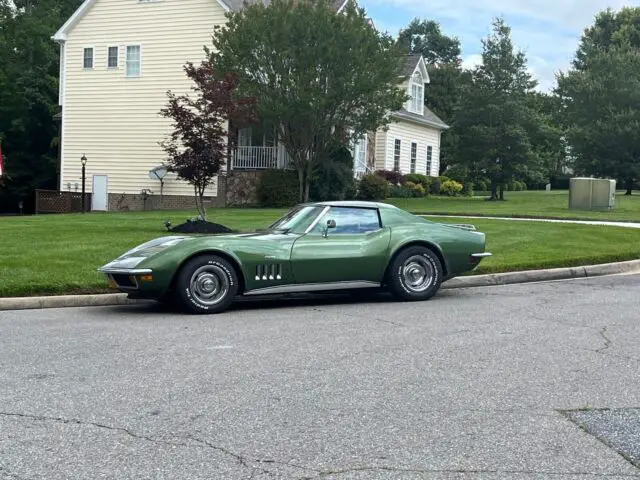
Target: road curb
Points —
{"points": [[529, 276], [109, 299]]}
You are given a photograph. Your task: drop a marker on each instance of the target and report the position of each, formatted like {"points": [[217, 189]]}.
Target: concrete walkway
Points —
{"points": [[559, 220]]}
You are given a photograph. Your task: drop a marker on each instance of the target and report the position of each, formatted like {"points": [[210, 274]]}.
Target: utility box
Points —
{"points": [[592, 194]]}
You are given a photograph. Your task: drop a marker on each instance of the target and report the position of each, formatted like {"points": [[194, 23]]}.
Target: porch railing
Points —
{"points": [[255, 158]]}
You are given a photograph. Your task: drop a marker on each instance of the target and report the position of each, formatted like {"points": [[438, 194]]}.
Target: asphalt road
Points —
{"points": [[483, 383]]}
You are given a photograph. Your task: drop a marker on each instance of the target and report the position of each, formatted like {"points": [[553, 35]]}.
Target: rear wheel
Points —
{"points": [[415, 274], [207, 284]]}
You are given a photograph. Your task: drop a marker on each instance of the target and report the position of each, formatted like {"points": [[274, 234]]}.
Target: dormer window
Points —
{"points": [[416, 92]]}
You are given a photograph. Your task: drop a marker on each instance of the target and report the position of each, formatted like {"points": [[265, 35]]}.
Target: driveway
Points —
{"points": [[481, 383]]}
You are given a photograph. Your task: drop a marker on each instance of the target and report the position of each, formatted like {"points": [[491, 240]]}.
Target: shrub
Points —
{"points": [[481, 186], [391, 176], [467, 189], [373, 187], [517, 186], [418, 179], [278, 188], [333, 178], [408, 190], [402, 192], [451, 188], [434, 186]]}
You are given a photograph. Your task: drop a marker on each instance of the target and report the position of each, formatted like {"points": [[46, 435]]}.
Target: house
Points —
{"points": [[118, 60]]}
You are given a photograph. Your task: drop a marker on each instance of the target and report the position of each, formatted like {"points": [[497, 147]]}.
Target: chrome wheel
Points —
{"points": [[209, 284], [417, 273]]}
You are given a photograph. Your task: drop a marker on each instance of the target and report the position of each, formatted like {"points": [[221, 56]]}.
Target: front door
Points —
{"points": [[355, 250], [100, 193]]}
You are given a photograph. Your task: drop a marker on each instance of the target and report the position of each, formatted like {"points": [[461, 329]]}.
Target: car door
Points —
{"points": [[355, 250]]}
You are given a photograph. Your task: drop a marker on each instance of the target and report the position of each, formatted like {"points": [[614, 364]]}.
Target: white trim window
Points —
{"points": [[416, 92], [397, 148], [112, 57], [133, 62], [87, 58], [429, 159], [414, 156]]}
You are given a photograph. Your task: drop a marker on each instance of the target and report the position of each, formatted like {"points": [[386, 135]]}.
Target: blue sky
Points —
{"points": [[548, 31]]}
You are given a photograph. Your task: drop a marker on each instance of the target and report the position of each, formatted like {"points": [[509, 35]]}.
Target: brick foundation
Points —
{"points": [[127, 202]]}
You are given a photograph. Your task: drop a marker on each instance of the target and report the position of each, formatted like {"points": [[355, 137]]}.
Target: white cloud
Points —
{"points": [[548, 31]]}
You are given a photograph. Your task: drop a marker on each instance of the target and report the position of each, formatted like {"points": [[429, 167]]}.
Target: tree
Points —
{"points": [[199, 145], [493, 120], [547, 136], [444, 64], [321, 78], [29, 96], [603, 108], [600, 97], [609, 29]]}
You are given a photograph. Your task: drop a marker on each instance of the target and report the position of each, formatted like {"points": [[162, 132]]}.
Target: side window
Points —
{"points": [[349, 220]]}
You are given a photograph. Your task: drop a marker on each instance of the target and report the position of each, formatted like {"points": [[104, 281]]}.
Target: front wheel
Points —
{"points": [[415, 274], [207, 284]]}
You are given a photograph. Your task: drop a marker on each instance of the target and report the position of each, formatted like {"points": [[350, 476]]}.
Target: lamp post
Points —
{"points": [[84, 163]]}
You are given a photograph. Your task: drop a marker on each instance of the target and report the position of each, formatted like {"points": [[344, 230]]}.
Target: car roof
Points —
{"points": [[353, 203]]}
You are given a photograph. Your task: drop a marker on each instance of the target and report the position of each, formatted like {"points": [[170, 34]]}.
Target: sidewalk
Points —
{"points": [[549, 220]]}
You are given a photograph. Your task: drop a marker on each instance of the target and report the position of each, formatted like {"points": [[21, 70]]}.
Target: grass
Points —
{"points": [[540, 204], [43, 255]]}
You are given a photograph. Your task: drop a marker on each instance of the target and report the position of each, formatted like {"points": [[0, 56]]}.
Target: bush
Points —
{"points": [[451, 188], [402, 192], [278, 188], [391, 176], [434, 186], [467, 189], [408, 190], [333, 178], [418, 179], [481, 186], [373, 187]]}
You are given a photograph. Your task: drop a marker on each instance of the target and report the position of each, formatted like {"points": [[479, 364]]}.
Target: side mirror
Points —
{"points": [[330, 224]]}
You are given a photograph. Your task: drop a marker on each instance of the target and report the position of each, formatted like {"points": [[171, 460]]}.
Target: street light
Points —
{"points": [[84, 163]]}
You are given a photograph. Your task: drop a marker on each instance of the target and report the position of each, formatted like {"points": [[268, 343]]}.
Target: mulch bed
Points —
{"points": [[200, 226]]}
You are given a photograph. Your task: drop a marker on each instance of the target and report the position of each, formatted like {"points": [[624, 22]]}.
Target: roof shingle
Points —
{"points": [[236, 5]]}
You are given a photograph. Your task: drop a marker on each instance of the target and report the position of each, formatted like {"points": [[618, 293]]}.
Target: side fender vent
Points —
{"points": [[265, 272]]}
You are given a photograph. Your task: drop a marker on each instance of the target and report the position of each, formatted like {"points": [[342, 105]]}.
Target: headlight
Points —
{"points": [[130, 262], [156, 244]]}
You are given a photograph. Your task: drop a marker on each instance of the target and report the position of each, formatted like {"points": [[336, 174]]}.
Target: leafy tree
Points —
{"points": [[603, 107], [29, 96], [547, 136], [322, 78], [425, 37], [600, 97], [444, 64], [609, 29], [493, 120], [197, 148]]}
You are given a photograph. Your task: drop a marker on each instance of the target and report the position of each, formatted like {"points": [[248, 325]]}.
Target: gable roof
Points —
{"points": [[428, 118], [227, 5], [413, 62]]}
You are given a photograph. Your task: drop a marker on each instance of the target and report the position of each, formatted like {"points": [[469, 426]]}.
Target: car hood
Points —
{"points": [[134, 256]]}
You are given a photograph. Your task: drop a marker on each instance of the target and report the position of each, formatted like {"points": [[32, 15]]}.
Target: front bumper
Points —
{"points": [[127, 279]]}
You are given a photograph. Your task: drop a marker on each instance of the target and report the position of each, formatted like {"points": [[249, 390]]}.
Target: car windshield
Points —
{"points": [[299, 218]]}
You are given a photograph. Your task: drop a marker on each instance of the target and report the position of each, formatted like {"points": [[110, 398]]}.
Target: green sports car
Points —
{"points": [[323, 246]]}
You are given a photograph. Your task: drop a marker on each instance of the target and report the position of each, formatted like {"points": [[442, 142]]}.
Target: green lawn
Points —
{"points": [[523, 204], [60, 253]]}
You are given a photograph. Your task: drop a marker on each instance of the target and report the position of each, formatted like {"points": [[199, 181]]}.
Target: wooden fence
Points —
{"points": [[53, 201]]}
